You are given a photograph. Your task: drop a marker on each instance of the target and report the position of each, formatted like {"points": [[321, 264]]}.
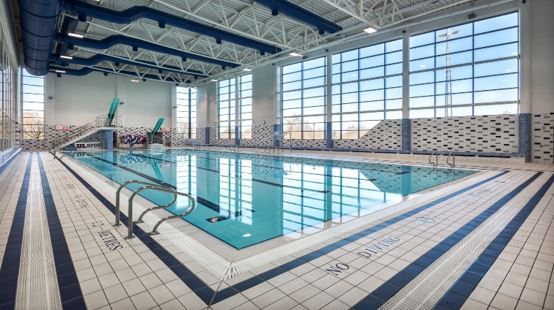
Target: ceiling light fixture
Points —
{"points": [[295, 54], [213, 80], [66, 57], [59, 71], [247, 69], [76, 35], [135, 80], [370, 30]]}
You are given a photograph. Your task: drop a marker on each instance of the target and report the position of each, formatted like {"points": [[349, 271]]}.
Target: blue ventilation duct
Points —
{"points": [[38, 24], [136, 44], [300, 14], [82, 10], [87, 70], [91, 61]]}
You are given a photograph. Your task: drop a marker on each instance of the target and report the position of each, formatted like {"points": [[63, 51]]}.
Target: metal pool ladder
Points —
{"points": [[154, 187], [436, 163], [453, 163]]}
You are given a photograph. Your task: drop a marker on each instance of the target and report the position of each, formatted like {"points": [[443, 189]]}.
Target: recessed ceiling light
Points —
{"points": [[370, 30], [135, 80], [295, 54], [66, 57], [247, 69], [59, 71], [75, 35]]}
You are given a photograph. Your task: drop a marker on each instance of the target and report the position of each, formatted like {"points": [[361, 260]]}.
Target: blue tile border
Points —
{"points": [[209, 296], [9, 271], [524, 133], [388, 289], [406, 135], [457, 295], [12, 156], [68, 283]]}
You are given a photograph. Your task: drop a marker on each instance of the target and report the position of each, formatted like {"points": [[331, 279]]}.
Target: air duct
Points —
{"points": [[86, 70], [300, 14], [91, 61], [137, 43], [38, 24], [82, 10]]}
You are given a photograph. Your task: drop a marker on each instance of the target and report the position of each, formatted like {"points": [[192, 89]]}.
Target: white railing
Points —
{"points": [[77, 133]]}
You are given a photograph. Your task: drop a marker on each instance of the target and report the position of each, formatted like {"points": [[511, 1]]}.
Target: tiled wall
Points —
{"points": [[387, 135], [478, 134], [543, 138]]}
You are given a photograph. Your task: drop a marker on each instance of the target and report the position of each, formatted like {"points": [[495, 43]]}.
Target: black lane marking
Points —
{"points": [[186, 275], [388, 289], [68, 283], [457, 295], [9, 271], [208, 295]]}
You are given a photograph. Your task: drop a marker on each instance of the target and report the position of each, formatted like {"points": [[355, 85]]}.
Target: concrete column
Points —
{"points": [[406, 122], [328, 102]]}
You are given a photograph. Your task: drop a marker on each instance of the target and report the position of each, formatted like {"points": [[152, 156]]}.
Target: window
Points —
{"points": [[226, 108], [303, 99], [32, 96], [8, 107], [245, 103], [186, 112], [469, 69], [367, 88]]}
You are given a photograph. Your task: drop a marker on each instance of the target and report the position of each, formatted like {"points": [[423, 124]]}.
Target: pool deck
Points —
{"points": [[484, 242]]}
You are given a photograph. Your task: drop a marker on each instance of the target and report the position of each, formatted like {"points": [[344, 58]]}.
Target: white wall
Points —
{"points": [[542, 62], [77, 100]]}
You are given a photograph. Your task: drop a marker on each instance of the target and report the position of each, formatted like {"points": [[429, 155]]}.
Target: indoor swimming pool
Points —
{"points": [[245, 199]]}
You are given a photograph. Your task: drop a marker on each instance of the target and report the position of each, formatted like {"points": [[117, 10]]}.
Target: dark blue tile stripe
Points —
{"points": [[244, 285], [186, 275], [9, 271], [207, 294], [9, 161], [388, 289], [457, 295], [68, 283]]}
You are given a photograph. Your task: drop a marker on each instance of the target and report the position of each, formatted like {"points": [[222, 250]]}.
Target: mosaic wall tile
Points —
{"points": [[262, 136], [477, 134], [543, 138]]}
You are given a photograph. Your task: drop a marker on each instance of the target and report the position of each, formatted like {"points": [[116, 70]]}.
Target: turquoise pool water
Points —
{"points": [[244, 199]]}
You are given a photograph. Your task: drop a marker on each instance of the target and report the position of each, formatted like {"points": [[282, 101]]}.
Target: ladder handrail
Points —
{"points": [[161, 189], [436, 163], [453, 164], [118, 193]]}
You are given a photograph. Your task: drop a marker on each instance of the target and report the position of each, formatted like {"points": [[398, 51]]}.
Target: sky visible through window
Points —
{"points": [[464, 70]]}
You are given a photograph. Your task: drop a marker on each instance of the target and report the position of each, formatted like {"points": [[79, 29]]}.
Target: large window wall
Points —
{"points": [[303, 99], [8, 106], [32, 97], [186, 112], [367, 88], [245, 104], [463, 70], [226, 103], [468, 69], [234, 99]]}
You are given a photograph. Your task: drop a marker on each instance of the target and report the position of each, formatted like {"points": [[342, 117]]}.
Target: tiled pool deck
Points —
{"points": [[482, 242]]}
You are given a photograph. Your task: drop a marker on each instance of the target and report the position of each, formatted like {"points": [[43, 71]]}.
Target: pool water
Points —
{"points": [[245, 199]]}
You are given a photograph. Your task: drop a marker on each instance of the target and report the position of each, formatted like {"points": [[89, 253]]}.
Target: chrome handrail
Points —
{"points": [[118, 193], [453, 164], [156, 188], [436, 163], [156, 208]]}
